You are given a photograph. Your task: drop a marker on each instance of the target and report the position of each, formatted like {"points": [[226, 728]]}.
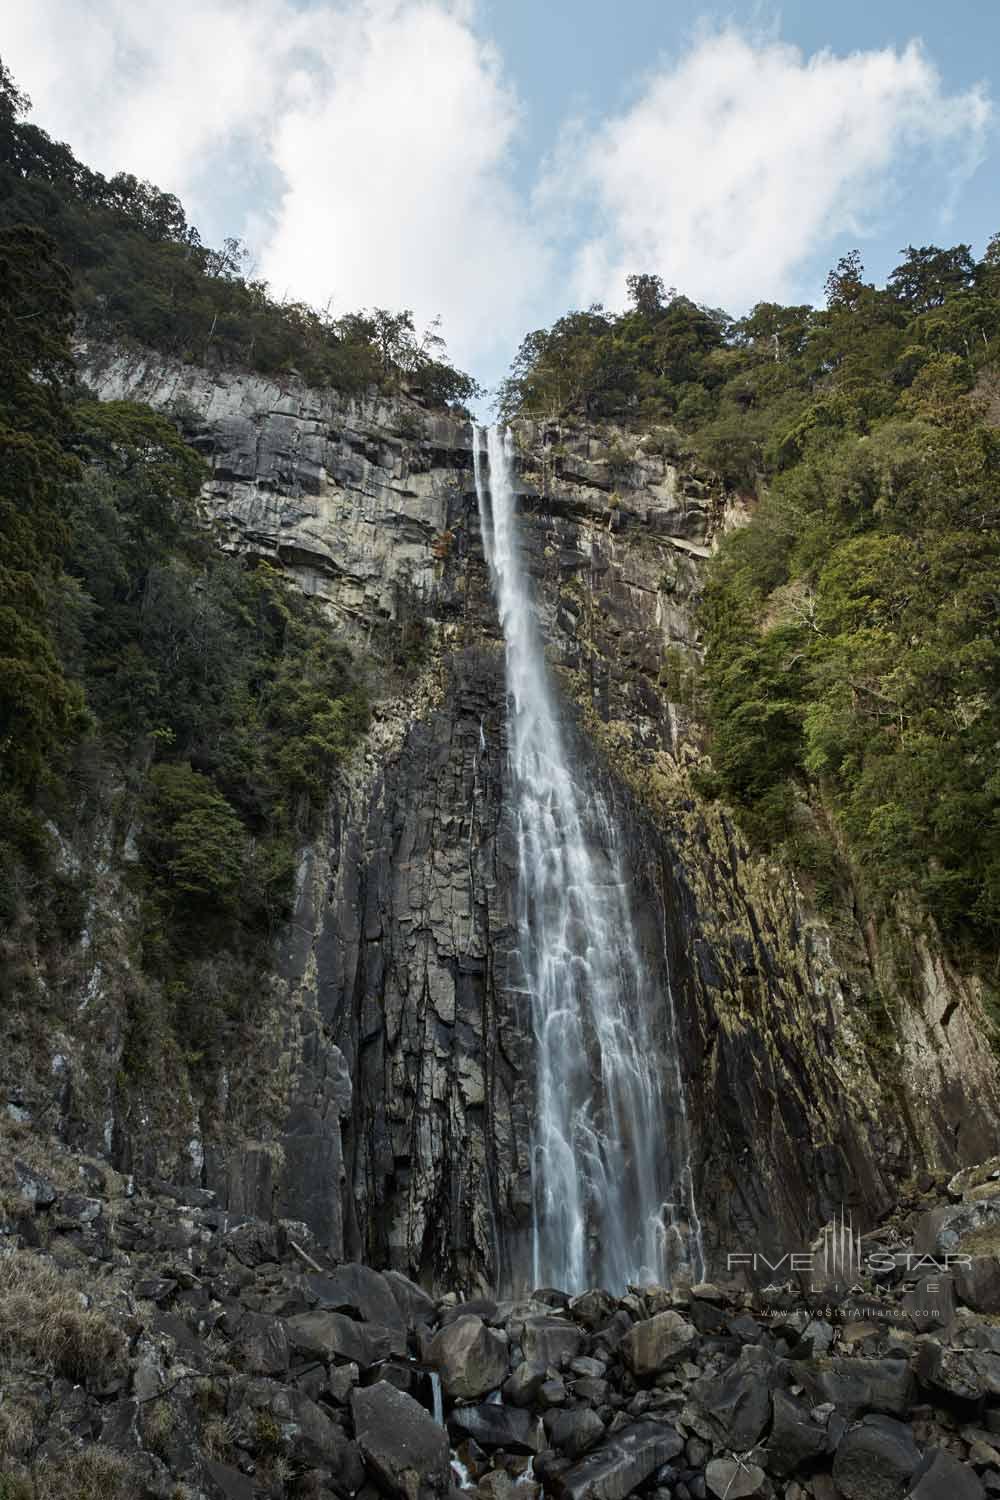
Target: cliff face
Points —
{"points": [[386, 1096]]}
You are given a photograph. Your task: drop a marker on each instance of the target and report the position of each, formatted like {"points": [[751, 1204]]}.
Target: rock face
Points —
{"points": [[386, 1100]]}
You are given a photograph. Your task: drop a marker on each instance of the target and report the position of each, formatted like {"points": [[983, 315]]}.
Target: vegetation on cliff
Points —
{"points": [[135, 655], [140, 271], [852, 628]]}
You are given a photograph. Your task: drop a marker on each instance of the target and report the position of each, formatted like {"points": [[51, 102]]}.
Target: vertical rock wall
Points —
{"points": [[387, 1100]]}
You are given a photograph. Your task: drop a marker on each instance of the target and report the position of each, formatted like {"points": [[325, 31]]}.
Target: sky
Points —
{"points": [[498, 162]]}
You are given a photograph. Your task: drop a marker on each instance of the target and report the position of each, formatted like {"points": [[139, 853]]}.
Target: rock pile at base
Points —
{"points": [[176, 1353]]}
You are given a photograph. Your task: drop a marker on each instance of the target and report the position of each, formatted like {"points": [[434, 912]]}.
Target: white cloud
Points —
{"points": [[364, 147], [743, 159], [382, 128]]}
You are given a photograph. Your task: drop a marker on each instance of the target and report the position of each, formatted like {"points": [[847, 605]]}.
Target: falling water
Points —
{"points": [[613, 1201]]}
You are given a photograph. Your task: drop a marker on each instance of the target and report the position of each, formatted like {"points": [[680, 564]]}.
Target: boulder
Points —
{"points": [[795, 1439], [402, 1445], [978, 1283], [417, 1308], [856, 1386], [492, 1426], [472, 1358], [33, 1187], [733, 1478], [550, 1340], [943, 1477], [262, 1344], [359, 1292], [592, 1309], [931, 1303], [875, 1460], [738, 1402], [574, 1432], [655, 1344], [522, 1388], [327, 1335], [962, 1374], [620, 1465]]}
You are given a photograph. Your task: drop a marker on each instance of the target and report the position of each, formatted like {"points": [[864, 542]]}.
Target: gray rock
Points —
{"points": [[492, 1426], [978, 1284], [226, 1483], [620, 1465], [401, 1443], [574, 1432], [522, 1388], [795, 1438], [359, 1292], [738, 1402], [33, 1187], [732, 1478], [593, 1309], [549, 1340], [262, 1344], [472, 1358], [963, 1374], [875, 1460], [943, 1477], [931, 1303], [656, 1343], [856, 1386], [416, 1307], [323, 1335]]}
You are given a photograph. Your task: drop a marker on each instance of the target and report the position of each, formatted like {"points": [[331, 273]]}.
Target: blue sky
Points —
{"points": [[499, 161]]}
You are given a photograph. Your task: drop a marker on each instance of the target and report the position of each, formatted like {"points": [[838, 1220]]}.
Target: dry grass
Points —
{"points": [[44, 1321], [94, 1474]]}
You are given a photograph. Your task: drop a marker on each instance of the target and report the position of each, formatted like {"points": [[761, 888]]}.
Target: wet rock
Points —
{"points": [[875, 1460], [574, 1432], [494, 1426], [620, 1465], [656, 1343], [943, 1477], [471, 1358], [732, 1478], [401, 1443]]}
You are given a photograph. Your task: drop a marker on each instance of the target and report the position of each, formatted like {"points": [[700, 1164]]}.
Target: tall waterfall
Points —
{"points": [[612, 1193]]}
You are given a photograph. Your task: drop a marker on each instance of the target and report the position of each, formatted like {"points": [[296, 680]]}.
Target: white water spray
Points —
{"points": [[613, 1201]]}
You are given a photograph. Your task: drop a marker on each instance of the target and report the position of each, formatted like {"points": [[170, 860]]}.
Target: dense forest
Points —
{"points": [[851, 682]]}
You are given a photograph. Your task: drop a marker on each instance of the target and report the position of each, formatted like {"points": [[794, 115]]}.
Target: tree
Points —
{"points": [[929, 275], [646, 294], [845, 282]]}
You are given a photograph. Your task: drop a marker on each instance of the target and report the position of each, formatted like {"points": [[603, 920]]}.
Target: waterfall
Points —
{"points": [[612, 1192]]}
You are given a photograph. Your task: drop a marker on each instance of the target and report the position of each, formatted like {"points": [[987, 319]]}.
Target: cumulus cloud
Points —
{"points": [[366, 144], [365, 148], [742, 159]]}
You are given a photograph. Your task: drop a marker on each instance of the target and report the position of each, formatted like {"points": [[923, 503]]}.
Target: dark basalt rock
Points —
{"points": [[738, 1402], [494, 1426], [875, 1460], [620, 1465], [795, 1438], [403, 1446]]}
